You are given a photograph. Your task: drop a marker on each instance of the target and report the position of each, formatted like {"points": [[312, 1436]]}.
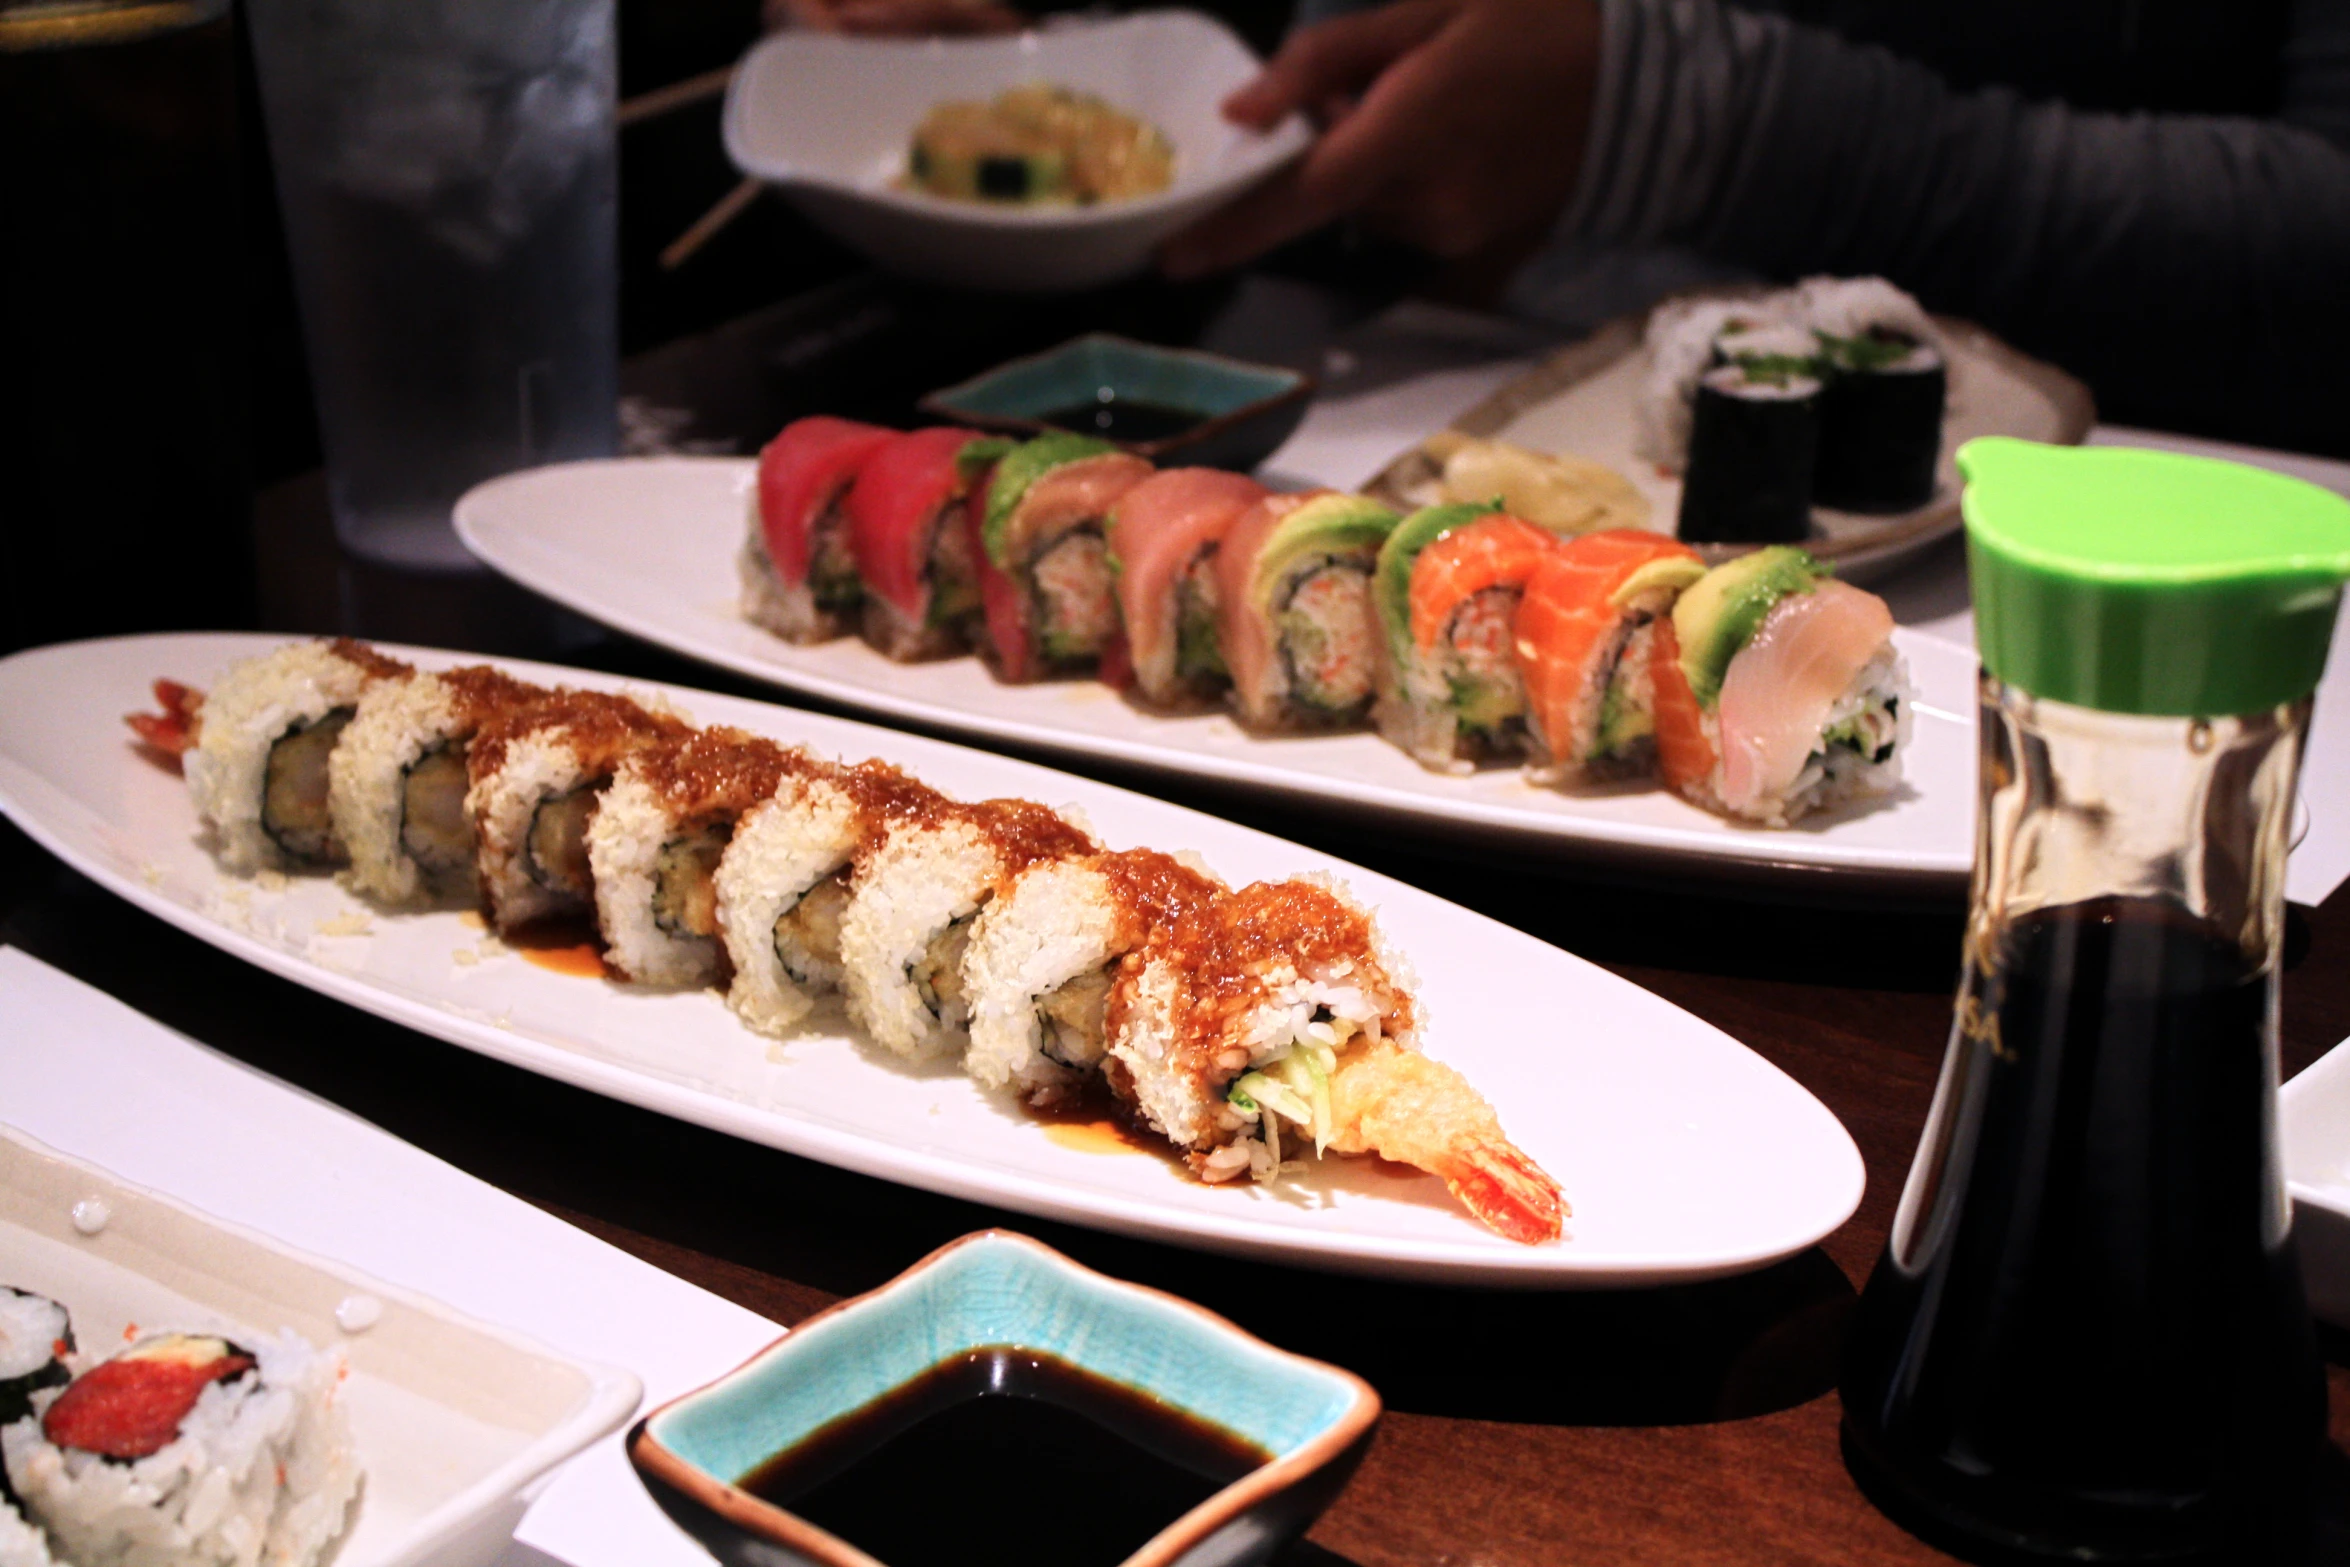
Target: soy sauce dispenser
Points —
{"points": [[2087, 1337]]}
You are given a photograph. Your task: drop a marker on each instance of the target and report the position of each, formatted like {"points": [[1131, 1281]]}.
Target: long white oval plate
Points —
{"points": [[648, 546], [1685, 1154]]}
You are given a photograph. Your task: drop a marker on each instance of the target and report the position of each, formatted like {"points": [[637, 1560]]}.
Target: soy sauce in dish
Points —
{"points": [[1003, 1444], [1124, 419]]}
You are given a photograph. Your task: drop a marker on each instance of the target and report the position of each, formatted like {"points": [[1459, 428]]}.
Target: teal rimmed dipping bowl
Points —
{"points": [[997, 1288]]}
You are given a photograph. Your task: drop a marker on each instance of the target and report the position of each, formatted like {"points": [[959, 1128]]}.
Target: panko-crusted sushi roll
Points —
{"points": [[1298, 629], [1163, 537], [36, 1336], [783, 883], [1044, 567], [1584, 626], [188, 1450], [1778, 690], [1447, 585], [798, 575], [396, 782], [910, 910], [911, 546], [536, 772], [264, 735], [1276, 1016], [1044, 953], [655, 842]]}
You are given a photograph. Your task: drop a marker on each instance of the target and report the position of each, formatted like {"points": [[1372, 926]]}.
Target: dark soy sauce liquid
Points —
{"points": [[2099, 1341], [1124, 419], [1009, 1452]]}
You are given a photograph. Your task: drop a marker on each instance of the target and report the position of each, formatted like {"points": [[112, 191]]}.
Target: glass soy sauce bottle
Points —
{"points": [[2087, 1338]]}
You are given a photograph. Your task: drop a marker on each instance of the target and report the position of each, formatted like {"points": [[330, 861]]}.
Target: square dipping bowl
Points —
{"points": [[997, 1289], [1239, 412]]}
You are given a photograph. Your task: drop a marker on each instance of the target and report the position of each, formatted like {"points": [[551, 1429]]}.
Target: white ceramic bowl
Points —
{"points": [[829, 119]]}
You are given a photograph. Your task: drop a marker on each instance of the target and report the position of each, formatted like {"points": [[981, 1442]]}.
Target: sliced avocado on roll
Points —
{"points": [[1392, 578], [1015, 473], [1723, 609], [1312, 581]]}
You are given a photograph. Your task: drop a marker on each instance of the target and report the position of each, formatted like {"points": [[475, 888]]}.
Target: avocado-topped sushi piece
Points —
{"points": [[1299, 630], [1044, 576]]}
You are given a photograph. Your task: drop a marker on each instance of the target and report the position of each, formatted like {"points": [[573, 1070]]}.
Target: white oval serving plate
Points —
{"points": [[648, 546], [1685, 1154]]}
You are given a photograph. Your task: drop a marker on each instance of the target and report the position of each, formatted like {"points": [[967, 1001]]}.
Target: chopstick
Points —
{"points": [[705, 228], [677, 95]]}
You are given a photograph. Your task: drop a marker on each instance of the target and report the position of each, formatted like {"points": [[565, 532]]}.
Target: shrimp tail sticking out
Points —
{"points": [[175, 730], [1401, 1105]]}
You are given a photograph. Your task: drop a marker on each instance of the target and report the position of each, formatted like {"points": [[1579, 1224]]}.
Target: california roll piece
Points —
{"points": [[655, 842], [396, 782], [783, 883], [1044, 571], [910, 544], [798, 573], [1275, 1017], [911, 905], [1448, 584], [1299, 632], [536, 773], [1163, 536], [1044, 954], [189, 1450], [1778, 690], [1583, 632], [258, 769], [36, 1339]]}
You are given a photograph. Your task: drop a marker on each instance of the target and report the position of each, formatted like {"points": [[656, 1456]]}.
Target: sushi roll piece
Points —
{"points": [[190, 1450], [36, 1340], [1163, 536], [1778, 690], [1044, 954], [1881, 411], [396, 781], [1298, 629], [1044, 568], [1754, 433], [264, 735], [1448, 584], [783, 883], [1583, 630], [534, 774], [1682, 342], [909, 543], [1269, 1019], [798, 574], [655, 842], [911, 905]]}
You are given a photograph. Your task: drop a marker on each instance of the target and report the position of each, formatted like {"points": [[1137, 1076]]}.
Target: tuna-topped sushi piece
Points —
{"points": [[799, 576], [655, 844], [1164, 534], [783, 883], [1274, 1017], [910, 544], [911, 904], [188, 1448], [1778, 690], [1298, 629], [1447, 586], [536, 772], [256, 749], [1584, 627], [396, 782], [36, 1336], [1044, 575], [1044, 955]]}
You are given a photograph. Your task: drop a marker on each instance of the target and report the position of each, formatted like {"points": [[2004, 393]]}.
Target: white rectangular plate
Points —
{"points": [[2313, 1124], [1685, 1154], [648, 547], [452, 1419]]}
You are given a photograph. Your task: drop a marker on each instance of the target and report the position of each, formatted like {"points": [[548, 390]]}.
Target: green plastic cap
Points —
{"points": [[2148, 582]]}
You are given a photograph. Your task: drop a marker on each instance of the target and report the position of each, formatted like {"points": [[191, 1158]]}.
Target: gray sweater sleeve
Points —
{"points": [[2194, 269]]}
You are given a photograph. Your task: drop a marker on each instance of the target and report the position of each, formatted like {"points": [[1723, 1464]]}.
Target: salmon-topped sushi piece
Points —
{"points": [[1582, 643]]}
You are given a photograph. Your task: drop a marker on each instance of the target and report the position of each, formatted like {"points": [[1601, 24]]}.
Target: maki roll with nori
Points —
{"points": [[1044, 566], [1889, 385], [1753, 436], [36, 1336], [1299, 632]]}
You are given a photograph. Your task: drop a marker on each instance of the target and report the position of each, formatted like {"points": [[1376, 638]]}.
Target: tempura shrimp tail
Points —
{"points": [[1400, 1105], [175, 730]]}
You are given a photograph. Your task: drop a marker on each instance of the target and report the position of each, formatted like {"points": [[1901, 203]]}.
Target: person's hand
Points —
{"points": [[893, 18], [1455, 125]]}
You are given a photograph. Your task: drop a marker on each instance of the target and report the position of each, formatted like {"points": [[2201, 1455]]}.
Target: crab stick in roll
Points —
{"points": [[799, 577], [909, 544], [1778, 690], [1297, 626], [1447, 586], [1163, 537], [1044, 571], [1584, 627]]}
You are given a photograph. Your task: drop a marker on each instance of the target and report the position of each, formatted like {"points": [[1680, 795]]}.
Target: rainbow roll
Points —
{"points": [[909, 543], [1044, 571], [1163, 536], [1297, 625], [799, 577]]}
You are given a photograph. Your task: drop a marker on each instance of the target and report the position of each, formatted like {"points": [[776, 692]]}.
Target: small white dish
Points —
{"points": [[829, 119]]}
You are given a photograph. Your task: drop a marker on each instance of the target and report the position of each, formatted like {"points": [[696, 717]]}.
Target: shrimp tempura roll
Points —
{"points": [[1583, 633]]}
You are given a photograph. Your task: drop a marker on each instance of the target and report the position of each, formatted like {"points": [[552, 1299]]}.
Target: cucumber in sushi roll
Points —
{"points": [[1298, 627], [1045, 581]]}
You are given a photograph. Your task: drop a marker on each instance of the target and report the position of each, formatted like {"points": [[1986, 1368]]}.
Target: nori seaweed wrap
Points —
{"points": [[1880, 423], [1752, 441]]}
